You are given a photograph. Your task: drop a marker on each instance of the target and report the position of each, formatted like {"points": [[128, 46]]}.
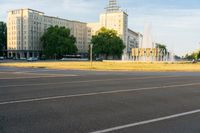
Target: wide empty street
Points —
{"points": [[70, 101]]}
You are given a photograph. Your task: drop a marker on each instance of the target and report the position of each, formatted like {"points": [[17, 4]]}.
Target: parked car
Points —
{"points": [[32, 59], [1, 58], [64, 59], [23, 59], [99, 59]]}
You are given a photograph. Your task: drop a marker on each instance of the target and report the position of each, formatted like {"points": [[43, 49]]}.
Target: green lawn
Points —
{"points": [[122, 66]]}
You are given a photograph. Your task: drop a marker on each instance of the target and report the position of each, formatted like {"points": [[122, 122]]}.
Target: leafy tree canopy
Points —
{"points": [[107, 43], [3, 36], [162, 47], [194, 55], [57, 41], [198, 56]]}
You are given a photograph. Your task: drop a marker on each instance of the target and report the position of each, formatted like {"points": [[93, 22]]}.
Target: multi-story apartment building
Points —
{"points": [[116, 19], [134, 40], [26, 26]]}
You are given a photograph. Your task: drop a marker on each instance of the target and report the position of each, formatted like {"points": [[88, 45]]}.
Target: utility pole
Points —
{"points": [[91, 46]]}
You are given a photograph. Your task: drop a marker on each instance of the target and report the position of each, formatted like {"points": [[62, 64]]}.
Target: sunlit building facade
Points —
{"points": [[114, 18], [26, 26]]}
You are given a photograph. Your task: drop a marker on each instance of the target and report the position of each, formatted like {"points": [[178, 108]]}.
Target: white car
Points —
{"points": [[22, 58], [32, 59]]}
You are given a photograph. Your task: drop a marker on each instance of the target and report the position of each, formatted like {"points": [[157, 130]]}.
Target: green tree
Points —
{"points": [[107, 43], [162, 47], [57, 41], [3, 37], [163, 50], [192, 56], [198, 55]]}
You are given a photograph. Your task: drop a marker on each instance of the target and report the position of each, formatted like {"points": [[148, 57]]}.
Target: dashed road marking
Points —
{"points": [[24, 75], [95, 93], [88, 81], [147, 121]]}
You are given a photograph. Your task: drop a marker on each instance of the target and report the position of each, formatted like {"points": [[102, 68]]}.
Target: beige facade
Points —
{"points": [[134, 40], [26, 26], [94, 27], [118, 21]]}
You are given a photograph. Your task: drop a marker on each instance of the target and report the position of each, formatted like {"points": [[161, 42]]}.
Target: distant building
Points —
{"points": [[133, 40], [26, 26], [114, 18]]}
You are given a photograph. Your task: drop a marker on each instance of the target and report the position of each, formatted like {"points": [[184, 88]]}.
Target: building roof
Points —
{"points": [[134, 32], [27, 9], [46, 15], [65, 19]]}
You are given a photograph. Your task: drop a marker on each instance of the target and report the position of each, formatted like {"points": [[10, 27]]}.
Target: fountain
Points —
{"points": [[147, 39]]}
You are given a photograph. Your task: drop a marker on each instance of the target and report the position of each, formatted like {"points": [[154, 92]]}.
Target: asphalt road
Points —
{"points": [[58, 101]]}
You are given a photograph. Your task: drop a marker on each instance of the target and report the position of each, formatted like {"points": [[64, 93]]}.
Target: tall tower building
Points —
{"points": [[116, 19], [112, 6]]}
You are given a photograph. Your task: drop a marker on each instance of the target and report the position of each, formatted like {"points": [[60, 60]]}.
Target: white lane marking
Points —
{"points": [[35, 77], [147, 121], [32, 73], [43, 74], [88, 81], [44, 70], [94, 93]]}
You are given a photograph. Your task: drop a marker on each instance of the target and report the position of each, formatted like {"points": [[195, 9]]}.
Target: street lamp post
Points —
{"points": [[91, 46]]}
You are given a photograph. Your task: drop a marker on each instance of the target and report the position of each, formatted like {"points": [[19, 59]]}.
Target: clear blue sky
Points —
{"points": [[174, 22]]}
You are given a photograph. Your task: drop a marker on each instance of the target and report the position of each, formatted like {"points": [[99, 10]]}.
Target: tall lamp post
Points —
{"points": [[91, 47]]}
